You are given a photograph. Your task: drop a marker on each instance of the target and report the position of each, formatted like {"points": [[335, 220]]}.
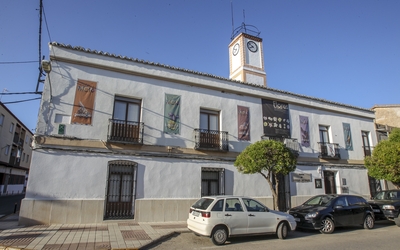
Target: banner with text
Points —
{"points": [[276, 118], [85, 93]]}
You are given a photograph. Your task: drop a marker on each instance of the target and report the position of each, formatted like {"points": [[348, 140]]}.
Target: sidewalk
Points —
{"points": [[107, 235]]}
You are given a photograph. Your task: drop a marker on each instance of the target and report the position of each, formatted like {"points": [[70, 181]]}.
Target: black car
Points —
{"points": [[386, 205], [325, 212]]}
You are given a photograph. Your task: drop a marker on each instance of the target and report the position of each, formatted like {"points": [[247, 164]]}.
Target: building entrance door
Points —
{"points": [[330, 184], [121, 189]]}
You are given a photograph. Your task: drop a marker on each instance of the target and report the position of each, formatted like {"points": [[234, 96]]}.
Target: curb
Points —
{"points": [[162, 238]]}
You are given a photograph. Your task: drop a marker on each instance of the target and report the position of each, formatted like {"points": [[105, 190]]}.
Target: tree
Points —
{"points": [[385, 160], [270, 159]]}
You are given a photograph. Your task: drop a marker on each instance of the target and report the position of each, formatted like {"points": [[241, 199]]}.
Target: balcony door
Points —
{"points": [[366, 145], [209, 129], [126, 117]]}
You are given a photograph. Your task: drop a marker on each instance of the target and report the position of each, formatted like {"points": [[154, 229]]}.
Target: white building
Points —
{"points": [[123, 138], [15, 153]]}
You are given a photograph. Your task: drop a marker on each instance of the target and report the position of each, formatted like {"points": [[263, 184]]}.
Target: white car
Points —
{"points": [[220, 217]]}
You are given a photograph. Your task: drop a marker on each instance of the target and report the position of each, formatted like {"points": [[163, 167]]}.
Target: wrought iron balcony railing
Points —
{"points": [[329, 150], [125, 132], [211, 140]]}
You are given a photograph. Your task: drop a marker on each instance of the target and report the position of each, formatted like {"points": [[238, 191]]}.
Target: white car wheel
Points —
{"points": [[219, 236], [282, 231]]}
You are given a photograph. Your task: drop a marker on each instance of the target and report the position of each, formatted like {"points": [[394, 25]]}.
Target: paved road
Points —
{"points": [[385, 235], [7, 203]]}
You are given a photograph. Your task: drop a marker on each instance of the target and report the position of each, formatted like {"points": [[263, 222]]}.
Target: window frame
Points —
{"points": [[220, 181], [2, 117], [12, 125], [209, 113], [128, 101], [324, 130]]}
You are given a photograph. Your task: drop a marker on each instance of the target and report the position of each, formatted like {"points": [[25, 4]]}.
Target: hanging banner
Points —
{"points": [[347, 136], [172, 109], [82, 111], [304, 131], [243, 123], [276, 118]]}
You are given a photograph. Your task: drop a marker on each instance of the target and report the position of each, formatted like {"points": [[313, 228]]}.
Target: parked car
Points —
{"points": [[386, 205], [325, 212], [221, 217]]}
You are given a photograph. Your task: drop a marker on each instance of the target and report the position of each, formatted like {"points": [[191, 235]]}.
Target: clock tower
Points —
{"points": [[246, 62]]}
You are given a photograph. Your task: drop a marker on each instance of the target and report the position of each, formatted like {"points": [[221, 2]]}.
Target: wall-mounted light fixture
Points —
{"points": [[46, 66]]}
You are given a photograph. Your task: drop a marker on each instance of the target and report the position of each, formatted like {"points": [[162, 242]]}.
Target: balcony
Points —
{"points": [[211, 140], [293, 145], [329, 150], [125, 132]]}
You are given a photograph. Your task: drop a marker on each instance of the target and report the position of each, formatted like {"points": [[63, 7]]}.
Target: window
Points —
{"points": [[125, 125], [126, 109], [12, 127], [209, 120], [254, 206], [27, 158], [324, 134], [366, 145], [7, 150], [23, 157], [218, 206], [1, 119], [233, 205], [212, 181]]}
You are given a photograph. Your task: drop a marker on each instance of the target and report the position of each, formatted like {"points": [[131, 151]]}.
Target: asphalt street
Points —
{"points": [[385, 235]]}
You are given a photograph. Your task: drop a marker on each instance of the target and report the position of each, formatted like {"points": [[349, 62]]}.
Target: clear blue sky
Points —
{"points": [[340, 50]]}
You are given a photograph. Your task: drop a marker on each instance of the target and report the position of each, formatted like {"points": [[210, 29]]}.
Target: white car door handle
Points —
{"points": [[228, 215], [251, 215]]}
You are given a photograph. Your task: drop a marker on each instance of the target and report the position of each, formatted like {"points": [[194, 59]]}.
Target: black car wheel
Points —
{"points": [[369, 222], [328, 226], [282, 231], [219, 235]]}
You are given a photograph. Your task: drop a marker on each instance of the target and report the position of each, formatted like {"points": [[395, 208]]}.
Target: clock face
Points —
{"points": [[235, 49], [252, 46]]}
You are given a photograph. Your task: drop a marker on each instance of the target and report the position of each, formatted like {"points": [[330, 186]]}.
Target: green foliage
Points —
{"points": [[385, 160], [268, 155], [395, 135]]}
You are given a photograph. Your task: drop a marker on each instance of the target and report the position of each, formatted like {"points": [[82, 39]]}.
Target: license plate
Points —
{"points": [[195, 213], [297, 219], [377, 210]]}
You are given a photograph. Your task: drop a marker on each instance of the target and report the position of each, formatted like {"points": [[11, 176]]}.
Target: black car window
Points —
{"points": [[253, 206], [355, 200], [218, 206], [380, 196], [203, 203], [341, 201], [394, 195], [320, 200]]}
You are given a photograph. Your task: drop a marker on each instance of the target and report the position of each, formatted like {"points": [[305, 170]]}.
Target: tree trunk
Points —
{"points": [[273, 190]]}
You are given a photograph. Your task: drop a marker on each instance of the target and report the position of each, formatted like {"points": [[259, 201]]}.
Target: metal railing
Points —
{"points": [[125, 131], [211, 140], [329, 150]]}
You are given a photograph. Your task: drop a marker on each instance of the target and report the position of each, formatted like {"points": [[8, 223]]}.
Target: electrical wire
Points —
{"points": [[18, 62], [47, 26], [27, 100], [19, 93]]}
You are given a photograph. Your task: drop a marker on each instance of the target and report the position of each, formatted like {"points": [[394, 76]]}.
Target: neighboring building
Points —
{"points": [[15, 153], [123, 138], [387, 117]]}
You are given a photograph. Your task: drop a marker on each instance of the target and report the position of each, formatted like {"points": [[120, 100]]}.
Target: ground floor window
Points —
{"points": [[121, 189], [212, 181]]}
